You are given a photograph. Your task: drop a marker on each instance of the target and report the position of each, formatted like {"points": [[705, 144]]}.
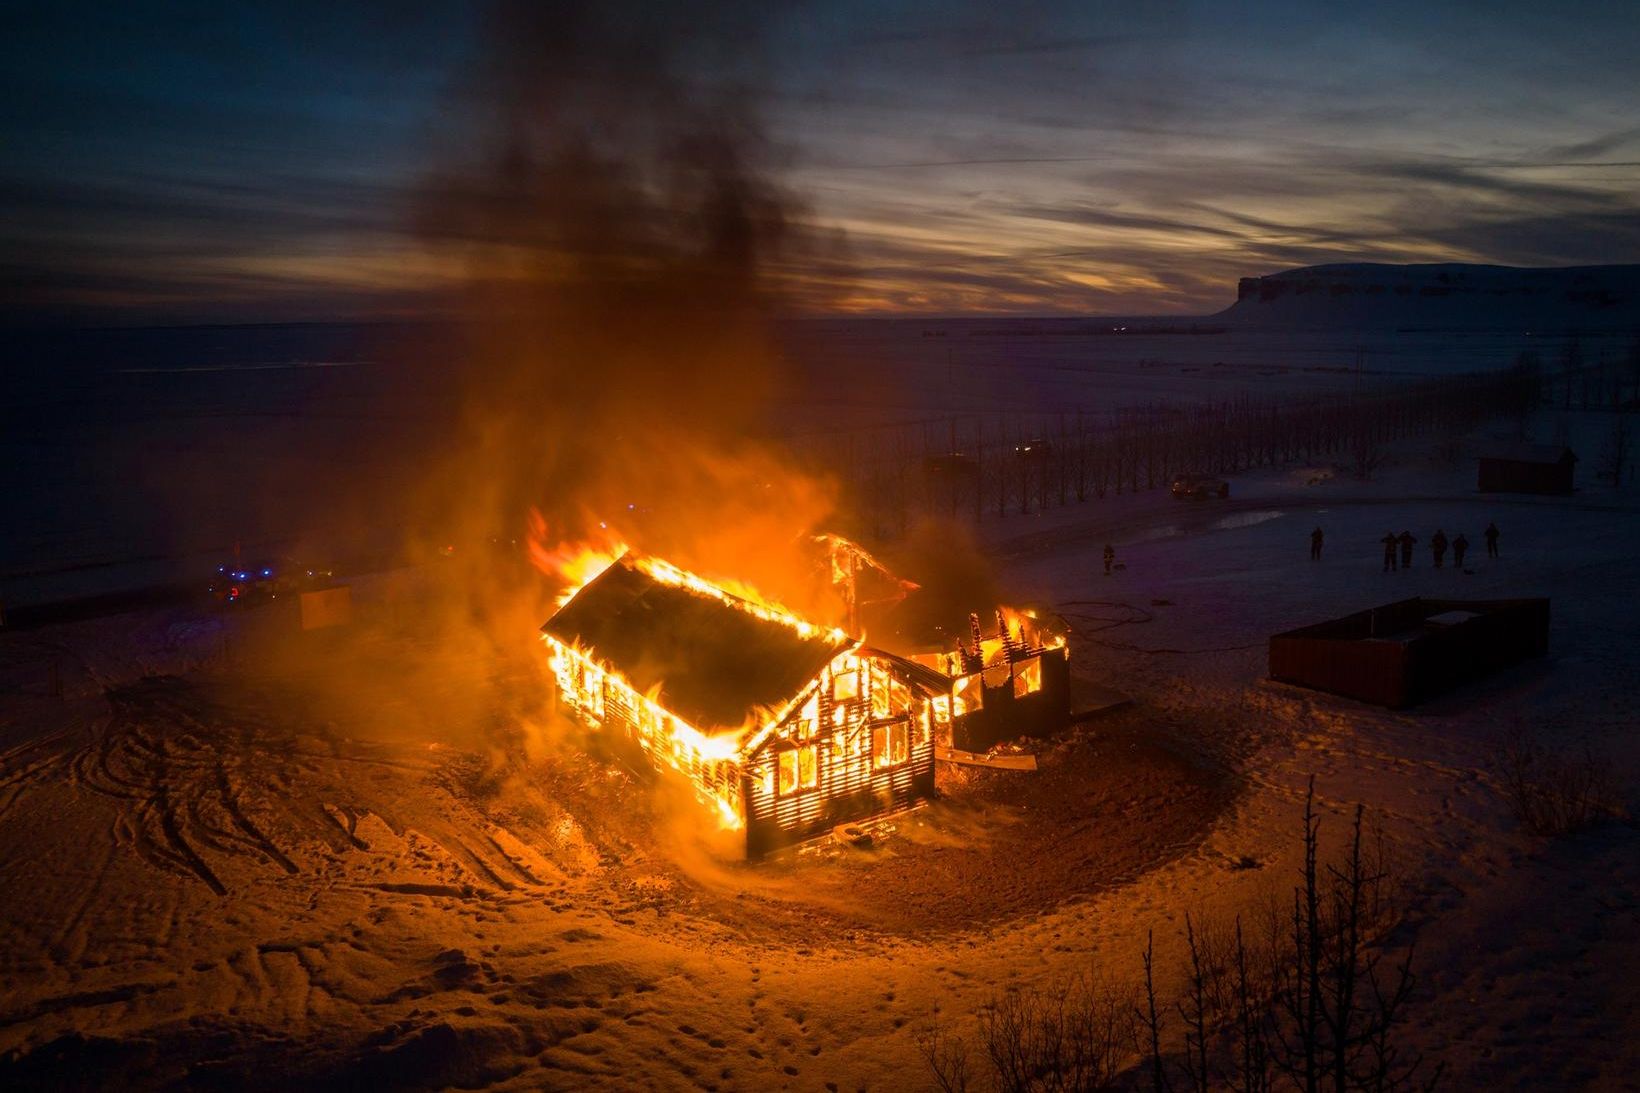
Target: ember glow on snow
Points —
{"points": [[790, 546]]}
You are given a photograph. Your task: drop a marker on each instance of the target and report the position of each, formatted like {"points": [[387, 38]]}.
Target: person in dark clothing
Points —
{"points": [[1389, 551], [1315, 545], [1110, 558], [1460, 547], [1491, 540], [1407, 543], [1437, 546]]}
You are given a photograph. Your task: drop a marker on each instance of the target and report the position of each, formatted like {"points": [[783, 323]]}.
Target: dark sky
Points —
{"points": [[240, 162]]}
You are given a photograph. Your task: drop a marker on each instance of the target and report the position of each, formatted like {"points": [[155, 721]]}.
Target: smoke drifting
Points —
{"points": [[606, 176]]}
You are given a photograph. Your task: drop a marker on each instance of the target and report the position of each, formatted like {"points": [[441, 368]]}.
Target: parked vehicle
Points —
{"points": [[1199, 487], [241, 582], [951, 465], [1035, 449]]}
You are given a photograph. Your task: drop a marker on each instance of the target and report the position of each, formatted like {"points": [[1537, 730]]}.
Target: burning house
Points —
{"points": [[1016, 682], [787, 728]]}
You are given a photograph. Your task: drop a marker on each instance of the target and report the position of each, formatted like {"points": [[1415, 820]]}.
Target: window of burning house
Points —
{"points": [[879, 692], [966, 695], [593, 695], [890, 744], [799, 770], [845, 686], [1027, 677], [848, 744], [724, 778], [889, 695], [806, 724]]}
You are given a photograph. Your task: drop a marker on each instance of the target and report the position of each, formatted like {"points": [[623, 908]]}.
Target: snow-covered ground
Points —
{"points": [[135, 458], [221, 868]]}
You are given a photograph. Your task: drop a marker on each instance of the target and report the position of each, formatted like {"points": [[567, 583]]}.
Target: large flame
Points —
{"points": [[711, 762], [714, 761], [743, 598], [573, 564], [576, 564]]}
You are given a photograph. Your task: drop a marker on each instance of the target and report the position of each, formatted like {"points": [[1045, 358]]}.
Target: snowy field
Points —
{"points": [[137, 458], [220, 871], [898, 370]]}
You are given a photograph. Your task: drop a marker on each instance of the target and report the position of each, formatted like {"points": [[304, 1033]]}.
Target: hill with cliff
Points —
{"points": [[1447, 296]]}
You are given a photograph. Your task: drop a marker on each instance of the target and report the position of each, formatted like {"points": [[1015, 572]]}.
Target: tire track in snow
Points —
{"points": [[59, 947], [19, 775], [230, 801], [164, 782], [193, 778]]}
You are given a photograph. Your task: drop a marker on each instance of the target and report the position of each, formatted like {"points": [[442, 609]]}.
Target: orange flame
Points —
{"points": [[574, 564], [710, 762], [742, 597]]}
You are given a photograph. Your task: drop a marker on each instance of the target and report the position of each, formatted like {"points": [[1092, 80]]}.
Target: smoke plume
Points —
{"points": [[608, 180]]}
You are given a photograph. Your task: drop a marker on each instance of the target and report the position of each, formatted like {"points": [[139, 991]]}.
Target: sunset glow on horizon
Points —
{"points": [[1105, 160]]}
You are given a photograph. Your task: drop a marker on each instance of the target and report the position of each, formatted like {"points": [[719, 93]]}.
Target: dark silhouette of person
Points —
{"points": [[1389, 551], [1315, 545], [1407, 542], [1110, 558], [1437, 547], [1460, 547], [1491, 540]]}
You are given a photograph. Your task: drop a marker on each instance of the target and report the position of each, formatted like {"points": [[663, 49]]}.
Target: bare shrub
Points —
{"points": [[1449, 451], [946, 1056], [1311, 995], [1072, 1036], [1617, 450], [1553, 792], [1338, 995], [1366, 452], [1314, 1004]]}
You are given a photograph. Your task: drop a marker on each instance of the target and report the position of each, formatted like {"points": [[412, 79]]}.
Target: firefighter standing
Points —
{"points": [[1460, 547], [1491, 540], [1315, 545], [1437, 546], [1110, 558], [1389, 551], [1407, 543]]}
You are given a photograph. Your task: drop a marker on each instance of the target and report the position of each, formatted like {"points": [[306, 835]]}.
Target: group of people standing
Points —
{"points": [[1398, 548]]}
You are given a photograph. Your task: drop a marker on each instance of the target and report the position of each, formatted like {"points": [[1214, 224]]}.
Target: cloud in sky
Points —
{"points": [[1084, 158]]}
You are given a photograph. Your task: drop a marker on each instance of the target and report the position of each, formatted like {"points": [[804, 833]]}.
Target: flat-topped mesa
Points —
{"points": [[1444, 296]]}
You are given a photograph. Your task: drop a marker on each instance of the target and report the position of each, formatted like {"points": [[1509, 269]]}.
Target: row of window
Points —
{"points": [[968, 694], [889, 694], [798, 769]]}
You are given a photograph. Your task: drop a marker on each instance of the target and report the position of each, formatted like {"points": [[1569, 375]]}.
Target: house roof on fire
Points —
{"points": [[714, 665]]}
